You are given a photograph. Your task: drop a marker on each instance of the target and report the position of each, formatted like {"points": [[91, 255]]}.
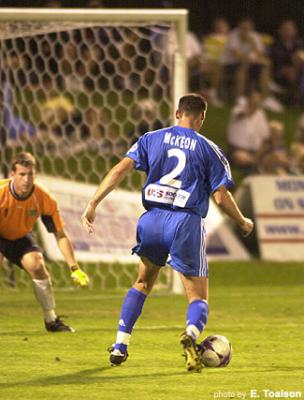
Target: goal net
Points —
{"points": [[77, 88]]}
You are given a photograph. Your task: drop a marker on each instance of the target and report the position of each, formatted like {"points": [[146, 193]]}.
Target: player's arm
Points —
{"points": [[65, 247], [225, 201], [110, 182], [53, 222], [79, 277]]}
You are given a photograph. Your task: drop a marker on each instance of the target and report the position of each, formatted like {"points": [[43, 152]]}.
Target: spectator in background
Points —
{"points": [[15, 129], [247, 130], [245, 58], [213, 46], [273, 158], [95, 4], [195, 61], [147, 117], [297, 149], [53, 4], [145, 114], [287, 56]]}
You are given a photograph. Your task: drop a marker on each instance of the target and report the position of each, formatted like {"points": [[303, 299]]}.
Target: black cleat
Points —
{"points": [[193, 359], [116, 357], [57, 326]]}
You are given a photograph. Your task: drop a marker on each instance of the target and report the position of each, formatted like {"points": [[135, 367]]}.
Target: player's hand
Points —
{"points": [[247, 226], [79, 277], [88, 218]]}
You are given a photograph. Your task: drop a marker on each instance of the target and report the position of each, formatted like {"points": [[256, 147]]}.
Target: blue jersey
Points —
{"points": [[183, 168]]}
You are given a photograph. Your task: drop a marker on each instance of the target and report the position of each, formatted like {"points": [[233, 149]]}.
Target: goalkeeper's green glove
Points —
{"points": [[79, 277]]}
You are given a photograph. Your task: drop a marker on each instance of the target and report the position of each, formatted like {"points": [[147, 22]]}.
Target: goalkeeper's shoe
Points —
{"points": [[116, 357], [191, 353], [58, 326]]}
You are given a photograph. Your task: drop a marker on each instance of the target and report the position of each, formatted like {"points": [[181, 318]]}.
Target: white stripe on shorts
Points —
{"points": [[203, 254]]}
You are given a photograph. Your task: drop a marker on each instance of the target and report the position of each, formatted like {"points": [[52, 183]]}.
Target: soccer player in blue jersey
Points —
{"points": [[183, 169]]}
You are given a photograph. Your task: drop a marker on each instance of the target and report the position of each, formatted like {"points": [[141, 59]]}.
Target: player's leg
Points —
{"points": [[132, 308], [196, 289], [188, 257], [147, 275], [265, 77], [241, 76], [2, 249], [153, 255], [33, 263]]}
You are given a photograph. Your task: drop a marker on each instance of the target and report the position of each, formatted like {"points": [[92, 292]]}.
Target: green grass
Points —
{"points": [[257, 305]]}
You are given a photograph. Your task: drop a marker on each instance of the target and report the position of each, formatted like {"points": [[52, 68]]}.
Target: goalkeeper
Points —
{"points": [[22, 202]]}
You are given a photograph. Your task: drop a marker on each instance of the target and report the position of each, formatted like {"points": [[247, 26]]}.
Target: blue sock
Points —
{"points": [[197, 316], [130, 311]]}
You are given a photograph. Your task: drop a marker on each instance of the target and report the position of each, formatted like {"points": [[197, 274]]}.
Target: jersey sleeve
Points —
{"points": [[50, 214], [218, 169], [138, 154]]}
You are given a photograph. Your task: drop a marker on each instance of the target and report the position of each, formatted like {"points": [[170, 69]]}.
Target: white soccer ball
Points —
{"points": [[216, 351]]}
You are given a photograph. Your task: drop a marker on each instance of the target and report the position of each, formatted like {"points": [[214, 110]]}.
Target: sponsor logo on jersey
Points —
{"points": [[166, 195]]}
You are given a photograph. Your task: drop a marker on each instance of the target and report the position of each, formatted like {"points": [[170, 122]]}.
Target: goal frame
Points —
{"points": [[178, 17]]}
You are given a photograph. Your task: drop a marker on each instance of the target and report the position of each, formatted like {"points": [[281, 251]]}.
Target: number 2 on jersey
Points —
{"points": [[169, 179]]}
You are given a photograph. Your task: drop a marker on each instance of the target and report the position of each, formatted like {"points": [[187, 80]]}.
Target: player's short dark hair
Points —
{"points": [[24, 159], [192, 104]]}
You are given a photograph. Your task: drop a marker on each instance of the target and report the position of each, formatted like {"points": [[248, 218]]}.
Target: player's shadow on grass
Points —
{"points": [[156, 328], [87, 377], [272, 368], [92, 376], [25, 334]]}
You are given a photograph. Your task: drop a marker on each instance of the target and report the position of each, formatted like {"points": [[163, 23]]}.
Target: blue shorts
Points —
{"points": [[180, 234]]}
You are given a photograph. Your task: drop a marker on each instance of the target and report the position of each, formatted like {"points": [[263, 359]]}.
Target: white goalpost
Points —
{"points": [[77, 88]]}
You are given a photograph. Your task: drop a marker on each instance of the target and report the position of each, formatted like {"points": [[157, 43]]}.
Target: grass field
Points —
{"points": [[257, 305]]}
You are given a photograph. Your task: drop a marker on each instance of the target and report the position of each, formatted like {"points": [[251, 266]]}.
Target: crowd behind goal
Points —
{"points": [[78, 96]]}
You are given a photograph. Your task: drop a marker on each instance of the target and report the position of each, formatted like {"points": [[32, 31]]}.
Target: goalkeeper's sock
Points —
{"points": [[197, 316], [131, 310], [44, 294]]}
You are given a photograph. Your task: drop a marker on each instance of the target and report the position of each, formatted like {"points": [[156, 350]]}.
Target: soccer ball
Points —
{"points": [[216, 351]]}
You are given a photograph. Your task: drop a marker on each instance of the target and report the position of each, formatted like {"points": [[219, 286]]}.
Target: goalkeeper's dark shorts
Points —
{"points": [[14, 250]]}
